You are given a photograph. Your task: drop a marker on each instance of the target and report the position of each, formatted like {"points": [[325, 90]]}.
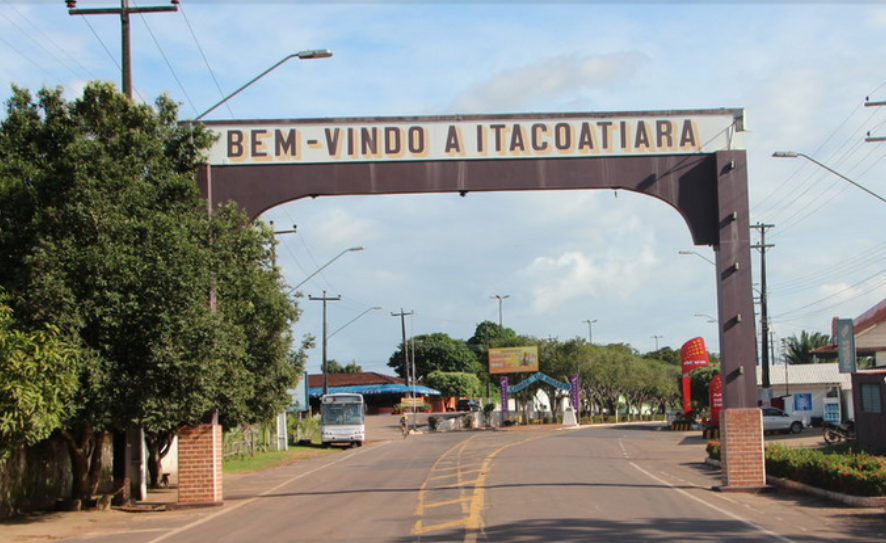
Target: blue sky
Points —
{"points": [[801, 70]]}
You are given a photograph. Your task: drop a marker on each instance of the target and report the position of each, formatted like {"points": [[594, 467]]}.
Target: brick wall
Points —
{"points": [[743, 462], [200, 464]]}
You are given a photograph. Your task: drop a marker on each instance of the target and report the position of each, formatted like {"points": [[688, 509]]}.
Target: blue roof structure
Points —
{"points": [[372, 390]]}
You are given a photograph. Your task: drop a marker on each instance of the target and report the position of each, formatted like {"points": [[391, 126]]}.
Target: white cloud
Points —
{"points": [[554, 77]]}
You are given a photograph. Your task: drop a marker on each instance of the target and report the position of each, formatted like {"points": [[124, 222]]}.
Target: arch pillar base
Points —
{"points": [[742, 458]]}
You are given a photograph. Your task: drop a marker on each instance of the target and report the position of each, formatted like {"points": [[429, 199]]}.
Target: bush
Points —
{"points": [[854, 473], [713, 450], [305, 430], [407, 408]]}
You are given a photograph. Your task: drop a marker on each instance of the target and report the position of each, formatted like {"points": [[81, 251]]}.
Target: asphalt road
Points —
{"points": [[626, 483]]}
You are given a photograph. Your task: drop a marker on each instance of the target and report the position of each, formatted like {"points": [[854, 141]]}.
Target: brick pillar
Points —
{"points": [[743, 462], [200, 465]]}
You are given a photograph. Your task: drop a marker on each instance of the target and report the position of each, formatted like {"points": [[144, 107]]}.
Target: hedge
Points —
{"points": [[853, 473]]}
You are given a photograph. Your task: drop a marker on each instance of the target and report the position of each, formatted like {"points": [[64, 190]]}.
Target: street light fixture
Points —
{"points": [[321, 268], [590, 330], [792, 154], [699, 255], [301, 55], [500, 300], [710, 318]]}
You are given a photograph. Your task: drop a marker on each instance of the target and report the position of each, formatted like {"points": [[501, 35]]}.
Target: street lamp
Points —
{"points": [[792, 154], [699, 255], [500, 300], [590, 330], [321, 268], [710, 318], [301, 55]]}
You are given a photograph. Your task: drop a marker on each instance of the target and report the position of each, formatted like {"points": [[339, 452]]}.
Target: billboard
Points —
{"points": [[513, 359], [299, 395]]}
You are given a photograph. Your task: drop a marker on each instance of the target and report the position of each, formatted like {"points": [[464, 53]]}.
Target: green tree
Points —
{"points": [[333, 366], [436, 352], [108, 239], [38, 378], [798, 350], [457, 384]]}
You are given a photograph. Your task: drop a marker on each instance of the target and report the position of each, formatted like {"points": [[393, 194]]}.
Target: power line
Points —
{"points": [[165, 58], [221, 93], [66, 65]]}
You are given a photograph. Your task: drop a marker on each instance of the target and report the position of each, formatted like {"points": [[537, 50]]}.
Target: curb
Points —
{"points": [[845, 499]]}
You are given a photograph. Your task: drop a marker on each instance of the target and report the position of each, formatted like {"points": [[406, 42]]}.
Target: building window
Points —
{"points": [[870, 398]]}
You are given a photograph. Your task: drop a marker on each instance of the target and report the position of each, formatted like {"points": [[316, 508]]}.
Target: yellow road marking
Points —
{"points": [[472, 505], [447, 502]]}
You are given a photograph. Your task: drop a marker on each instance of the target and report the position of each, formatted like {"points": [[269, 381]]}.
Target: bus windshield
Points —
{"points": [[341, 414]]}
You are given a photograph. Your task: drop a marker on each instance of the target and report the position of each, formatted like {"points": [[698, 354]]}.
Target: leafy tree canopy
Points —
{"points": [[436, 352], [333, 366], [798, 349], [457, 384], [104, 235], [38, 378]]}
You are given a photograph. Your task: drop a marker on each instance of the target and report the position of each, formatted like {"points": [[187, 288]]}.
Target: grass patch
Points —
{"points": [[273, 459]]}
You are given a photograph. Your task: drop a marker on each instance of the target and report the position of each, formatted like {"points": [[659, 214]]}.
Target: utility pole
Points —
{"points": [[324, 299], [123, 11], [656, 338], [402, 314], [764, 309]]}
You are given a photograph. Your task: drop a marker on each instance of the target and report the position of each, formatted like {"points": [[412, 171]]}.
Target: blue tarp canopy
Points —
{"points": [[372, 390]]}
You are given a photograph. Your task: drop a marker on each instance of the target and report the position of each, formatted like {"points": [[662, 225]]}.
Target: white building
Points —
{"points": [[806, 389]]}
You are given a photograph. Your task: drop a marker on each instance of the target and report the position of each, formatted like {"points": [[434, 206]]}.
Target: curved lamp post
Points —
{"points": [[323, 267], [699, 255], [301, 55], [792, 154]]}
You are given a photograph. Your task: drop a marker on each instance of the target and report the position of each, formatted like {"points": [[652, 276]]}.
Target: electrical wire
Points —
{"points": [[165, 58], [29, 36], [221, 93]]}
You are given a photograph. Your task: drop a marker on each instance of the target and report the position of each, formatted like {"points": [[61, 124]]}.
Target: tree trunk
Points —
{"points": [[158, 447], [85, 450]]}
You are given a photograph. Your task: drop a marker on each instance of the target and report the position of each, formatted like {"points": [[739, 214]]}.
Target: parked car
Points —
{"points": [[776, 420], [467, 405]]}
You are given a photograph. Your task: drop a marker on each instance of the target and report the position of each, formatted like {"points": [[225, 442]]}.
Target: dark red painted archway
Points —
{"points": [[693, 160]]}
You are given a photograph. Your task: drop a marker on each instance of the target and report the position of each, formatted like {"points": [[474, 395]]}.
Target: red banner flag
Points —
{"points": [[693, 355], [716, 398]]}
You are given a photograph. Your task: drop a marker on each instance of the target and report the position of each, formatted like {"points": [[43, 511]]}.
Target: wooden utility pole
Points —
{"points": [[123, 11], [325, 299]]}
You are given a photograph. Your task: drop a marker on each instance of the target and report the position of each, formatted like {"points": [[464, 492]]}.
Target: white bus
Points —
{"points": [[342, 419]]}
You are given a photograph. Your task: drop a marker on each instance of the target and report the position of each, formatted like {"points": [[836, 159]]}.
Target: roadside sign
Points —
{"points": [[845, 345]]}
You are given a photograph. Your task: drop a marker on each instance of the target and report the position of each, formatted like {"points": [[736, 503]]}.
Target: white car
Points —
{"points": [[776, 420]]}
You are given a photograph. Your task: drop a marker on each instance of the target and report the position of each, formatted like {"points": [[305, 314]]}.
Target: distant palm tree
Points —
{"points": [[798, 349]]}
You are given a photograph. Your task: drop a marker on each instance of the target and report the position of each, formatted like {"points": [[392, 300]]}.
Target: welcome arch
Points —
{"points": [[694, 160]]}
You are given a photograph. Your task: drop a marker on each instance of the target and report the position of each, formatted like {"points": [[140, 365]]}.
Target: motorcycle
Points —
{"points": [[835, 433]]}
